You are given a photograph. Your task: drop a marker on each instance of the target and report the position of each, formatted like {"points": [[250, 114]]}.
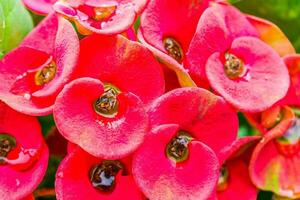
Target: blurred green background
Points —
{"points": [[284, 13]]}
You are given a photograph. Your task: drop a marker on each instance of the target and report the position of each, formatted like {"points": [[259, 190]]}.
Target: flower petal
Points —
{"points": [[79, 123], [161, 179], [203, 117]]}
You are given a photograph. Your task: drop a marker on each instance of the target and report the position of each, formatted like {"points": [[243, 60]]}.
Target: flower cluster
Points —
{"points": [[151, 112]]}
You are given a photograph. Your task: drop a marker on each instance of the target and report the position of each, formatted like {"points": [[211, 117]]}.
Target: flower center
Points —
{"points": [[177, 149], [223, 179], [289, 143], [102, 13], [173, 48], [107, 104], [7, 143], [233, 66], [46, 74], [103, 176]]}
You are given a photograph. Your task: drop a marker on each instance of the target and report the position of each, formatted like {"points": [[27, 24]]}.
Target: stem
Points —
{"points": [[44, 192]]}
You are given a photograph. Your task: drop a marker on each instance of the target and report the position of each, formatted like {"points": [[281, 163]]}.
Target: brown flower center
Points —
{"points": [[103, 176], [223, 179], [46, 74], [107, 104], [177, 149], [7, 143], [233, 66], [173, 48]]}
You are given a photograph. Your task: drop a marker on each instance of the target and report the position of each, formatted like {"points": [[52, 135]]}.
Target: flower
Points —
{"points": [[275, 160], [23, 154], [249, 74], [220, 49], [36, 71], [109, 120], [42, 7], [197, 111], [234, 179], [170, 165], [82, 176], [102, 17]]}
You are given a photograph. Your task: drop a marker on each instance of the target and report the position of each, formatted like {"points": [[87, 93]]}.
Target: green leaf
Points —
{"points": [[284, 13], [264, 195], [15, 23], [47, 123], [245, 129]]}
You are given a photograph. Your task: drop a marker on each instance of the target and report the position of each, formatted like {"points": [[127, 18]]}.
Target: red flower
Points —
{"points": [[23, 154], [102, 121], [109, 120], [221, 50], [293, 96], [42, 7], [126, 64], [82, 176], [266, 120], [102, 17], [197, 111], [34, 73], [170, 165], [234, 180], [248, 73], [167, 28], [275, 161]]}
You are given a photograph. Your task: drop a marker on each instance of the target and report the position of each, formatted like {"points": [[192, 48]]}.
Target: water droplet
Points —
{"points": [[27, 96], [103, 176], [60, 174], [18, 182]]}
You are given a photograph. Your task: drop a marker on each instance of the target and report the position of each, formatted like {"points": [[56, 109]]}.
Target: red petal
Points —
{"points": [[265, 82], [217, 28], [123, 63], [54, 38], [270, 169], [123, 17], [176, 19], [42, 7], [203, 117], [160, 178], [77, 121], [73, 183], [17, 184], [239, 184], [293, 96]]}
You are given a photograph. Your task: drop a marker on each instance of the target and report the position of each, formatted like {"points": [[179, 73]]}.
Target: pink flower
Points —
{"points": [[197, 111], [220, 49], [275, 160], [42, 7], [172, 166], [34, 73], [102, 17], [82, 176], [234, 180], [23, 154], [109, 120]]}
